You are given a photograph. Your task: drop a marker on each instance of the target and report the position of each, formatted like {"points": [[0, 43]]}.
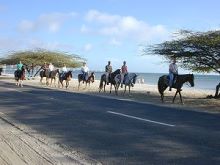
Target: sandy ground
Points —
{"points": [[194, 99], [19, 146]]}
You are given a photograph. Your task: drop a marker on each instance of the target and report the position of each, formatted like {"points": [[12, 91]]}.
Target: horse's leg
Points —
{"points": [[175, 95], [111, 88], [104, 86], [162, 97], [67, 84], [180, 97], [21, 83], [78, 85], [125, 89]]}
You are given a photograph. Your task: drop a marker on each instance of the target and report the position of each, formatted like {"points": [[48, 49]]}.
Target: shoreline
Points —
{"points": [[194, 99]]}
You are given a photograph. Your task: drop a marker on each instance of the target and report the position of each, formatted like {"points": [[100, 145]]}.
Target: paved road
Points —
{"points": [[115, 131]]}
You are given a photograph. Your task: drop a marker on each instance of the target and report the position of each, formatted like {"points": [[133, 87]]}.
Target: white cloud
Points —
{"points": [[51, 22], [96, 16], [124, 27], [115, 42], [87, 47], [12, 44], [84, 29]]}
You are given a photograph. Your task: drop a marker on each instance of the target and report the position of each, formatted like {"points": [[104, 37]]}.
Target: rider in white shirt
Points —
{"points": [[64, 70], [173, 70], [51, 67], [85, 71]]}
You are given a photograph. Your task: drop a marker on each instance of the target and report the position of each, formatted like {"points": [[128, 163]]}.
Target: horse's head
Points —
{"points": [[191, 80], [92, 77], [134, 78], [113, 74]]}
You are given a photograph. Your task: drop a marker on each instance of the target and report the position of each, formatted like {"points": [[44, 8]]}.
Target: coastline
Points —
{"points": [[194, 99]]}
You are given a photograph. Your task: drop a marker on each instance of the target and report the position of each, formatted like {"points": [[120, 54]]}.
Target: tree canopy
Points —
{"points": [[196, 51], [39, 57]]}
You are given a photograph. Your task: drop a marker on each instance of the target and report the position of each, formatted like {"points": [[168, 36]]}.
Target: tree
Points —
{"points": [[39, 56], [196, 51]]}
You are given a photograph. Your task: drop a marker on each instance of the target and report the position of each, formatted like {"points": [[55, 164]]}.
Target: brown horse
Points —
{"points": [[178, 84], [91, 79], [20, 76], [49, 75], [67, 77]]}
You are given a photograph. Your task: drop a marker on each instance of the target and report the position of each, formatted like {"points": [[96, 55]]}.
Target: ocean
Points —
{"points": [[202, 81], [207, 82]]}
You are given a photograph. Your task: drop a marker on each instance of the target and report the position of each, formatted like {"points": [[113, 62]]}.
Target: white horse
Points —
{"points": [[129, 80]]}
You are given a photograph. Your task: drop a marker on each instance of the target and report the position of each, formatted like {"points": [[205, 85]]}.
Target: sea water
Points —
{"points": [[201, 81]]}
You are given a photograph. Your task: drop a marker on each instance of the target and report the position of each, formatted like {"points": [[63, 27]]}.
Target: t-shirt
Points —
{"points": [[19, 66], [173, 68], [124, 69], [64, 69], [84, 69], [108, 68]]}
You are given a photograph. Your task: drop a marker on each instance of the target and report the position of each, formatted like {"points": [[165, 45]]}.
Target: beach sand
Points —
{"points": [[194, 99]]}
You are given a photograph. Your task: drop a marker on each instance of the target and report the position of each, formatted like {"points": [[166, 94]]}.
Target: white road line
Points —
{"points": [[138, 118]]}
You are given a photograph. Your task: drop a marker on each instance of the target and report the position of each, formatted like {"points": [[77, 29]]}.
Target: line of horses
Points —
{"points": [[114, 80]]}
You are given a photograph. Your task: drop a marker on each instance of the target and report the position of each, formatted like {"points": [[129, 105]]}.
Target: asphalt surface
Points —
{"points": [[115, 131]]}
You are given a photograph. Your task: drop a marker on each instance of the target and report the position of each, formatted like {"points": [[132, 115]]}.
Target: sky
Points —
{"points": [[103, 30]]}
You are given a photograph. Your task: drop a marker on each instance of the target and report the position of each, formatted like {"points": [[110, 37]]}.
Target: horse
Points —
{"points": [[91, 79], [111, 80], [67, 77], [49, 75], [129, 80], [20, 76], [178, 84]]}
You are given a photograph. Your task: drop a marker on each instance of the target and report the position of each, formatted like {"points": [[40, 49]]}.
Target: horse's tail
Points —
{"points": [[160, 85]]}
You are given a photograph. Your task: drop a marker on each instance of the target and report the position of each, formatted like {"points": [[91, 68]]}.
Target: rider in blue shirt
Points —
{"points": [[19, 66]]}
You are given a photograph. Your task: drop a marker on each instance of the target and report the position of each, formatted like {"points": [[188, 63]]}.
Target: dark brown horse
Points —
{"points": [[66, 76], [20, 76], [49, 75], [111, 81], [178, 84], [91, 79]]}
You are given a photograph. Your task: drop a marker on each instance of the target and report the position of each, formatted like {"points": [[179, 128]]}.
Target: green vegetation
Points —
{"points": [[196, 51], [38, 57]]}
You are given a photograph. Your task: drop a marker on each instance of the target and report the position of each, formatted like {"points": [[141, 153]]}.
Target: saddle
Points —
{"points": [[125, 77]]}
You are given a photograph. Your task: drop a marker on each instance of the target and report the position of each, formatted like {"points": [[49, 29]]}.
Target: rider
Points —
{"points": [[51, 68], [45, 66], [19, 66], [63, 70], [108, 71], [173, 70], [124, 71], [85, 71]]}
